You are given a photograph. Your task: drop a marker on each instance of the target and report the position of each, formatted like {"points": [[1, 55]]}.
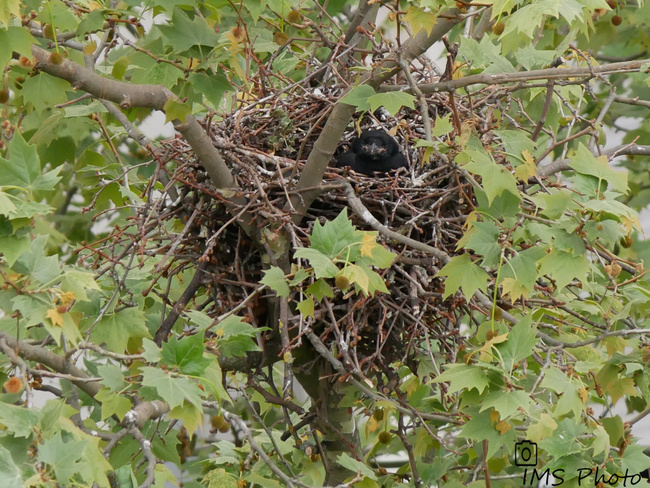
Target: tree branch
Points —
{"points": [[60, 364], [155, 97], [540, 74]]}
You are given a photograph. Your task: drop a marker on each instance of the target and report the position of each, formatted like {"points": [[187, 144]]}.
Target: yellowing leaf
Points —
{"points": [[494, 416], [584, 394], [420, 20], [527, 169], [542, 429], [190, 414], [614, 344], [67, 297], [55, 317], [503, 427], [486, 349], [368, 244], [7, 9], [90, 48], [175, 109], [622, 387], [372, 425], [512, 287], [457, 73]]}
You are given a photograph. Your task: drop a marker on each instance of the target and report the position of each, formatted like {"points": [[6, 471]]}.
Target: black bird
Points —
{"points": [[373, 152]]}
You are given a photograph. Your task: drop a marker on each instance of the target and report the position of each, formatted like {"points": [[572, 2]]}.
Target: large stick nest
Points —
{"points": [[266, 144]]}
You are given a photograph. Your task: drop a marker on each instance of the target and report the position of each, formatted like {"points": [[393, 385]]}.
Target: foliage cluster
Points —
{"points": [[125, 324]]}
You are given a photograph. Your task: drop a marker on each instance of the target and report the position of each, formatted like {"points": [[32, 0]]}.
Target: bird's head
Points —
{"points": [[373, 148]]}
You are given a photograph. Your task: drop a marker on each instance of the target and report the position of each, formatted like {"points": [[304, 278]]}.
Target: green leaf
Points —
{"points": [[462, 273], [92, 22], [553, 205], [115, 329], [519, 274], [521, 340], [359, 97], [182, 33], [496, 178], [601, 441], [23, 169], [564, 267], [20, 421], [485, 54], [507, 403], [172, 390], [45, 91], [44, 268], [483, 237], [150, 351], [9, 472], [323, 266], [306, 307], [516, 142], [542, 429], [481, 428], [186, 354], [14, 39], [356, 275], [13, 247], [334, 236], [7, 207], [191, 415], [442, 126], [219, 478], [176, 110], [391, 101], [79, 282], [112, 403], [274, 278], [634, 459], [236, 336], [463, 377], [63, 456], [614, 428], [319, 289], [211, 87], [346, 461], [375, 282], [419, 20], [584, 162], [531, 58], [565, 439], [84, 110], [112, 377]]}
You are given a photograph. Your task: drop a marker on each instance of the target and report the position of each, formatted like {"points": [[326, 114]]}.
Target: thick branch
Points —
{"points": [[53, 361], [540, 74], [128, 95], [565, 164]]}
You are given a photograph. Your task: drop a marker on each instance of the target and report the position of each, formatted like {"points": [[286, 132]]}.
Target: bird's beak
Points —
{"points": [[375, 150]]}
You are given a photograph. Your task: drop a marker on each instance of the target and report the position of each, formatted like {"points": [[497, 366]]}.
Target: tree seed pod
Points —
{"points": [[342, 282], [498, 28], [385, 437], [56, 57]]}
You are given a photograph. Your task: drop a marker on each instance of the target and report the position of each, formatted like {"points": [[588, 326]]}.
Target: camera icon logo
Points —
{"points": [[525, 453]]}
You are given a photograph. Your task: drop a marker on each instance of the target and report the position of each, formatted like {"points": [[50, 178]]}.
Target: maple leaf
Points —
{"points": [[55, 317], [368, 245]]}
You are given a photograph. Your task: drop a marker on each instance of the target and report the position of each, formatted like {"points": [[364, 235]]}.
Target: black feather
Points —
{"points": [[373, 152]]}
